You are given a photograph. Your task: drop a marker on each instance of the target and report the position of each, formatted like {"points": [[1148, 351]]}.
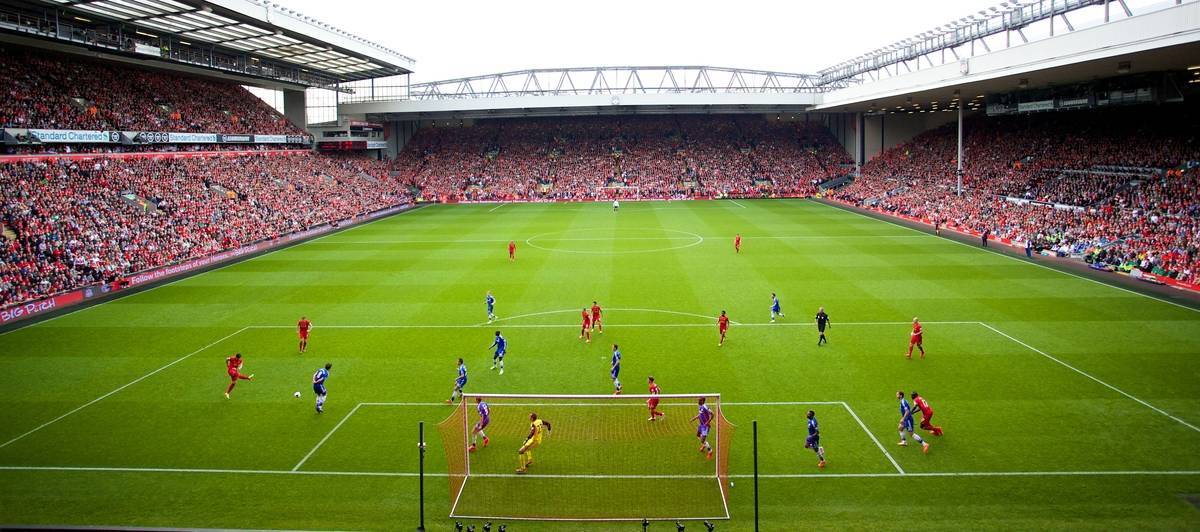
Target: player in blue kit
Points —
{"points": [[459, 382], [501, 346], [485, 419], [906, 424], [615, 370], [813, 441], [491, 307], [318, 382], [776, 310]]}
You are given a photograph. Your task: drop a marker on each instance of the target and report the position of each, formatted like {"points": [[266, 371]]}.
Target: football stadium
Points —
{"points": [[258, 272]]}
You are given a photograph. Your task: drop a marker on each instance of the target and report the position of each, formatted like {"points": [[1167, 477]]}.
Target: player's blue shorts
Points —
{"points": [[813, 441], [319, 389], [702, 432], [616, 371], [483, 423], [775, 308], [460, 383], [500, 353], [489, 309], [907, 425]]}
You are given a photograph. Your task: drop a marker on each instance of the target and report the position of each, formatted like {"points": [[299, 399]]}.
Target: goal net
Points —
{"points": [[602, 460]]}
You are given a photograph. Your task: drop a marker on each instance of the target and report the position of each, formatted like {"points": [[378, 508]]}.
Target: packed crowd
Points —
{"points": [[605, 157], [96, 149], [1126, 183], [52, 91], [66, 224]]}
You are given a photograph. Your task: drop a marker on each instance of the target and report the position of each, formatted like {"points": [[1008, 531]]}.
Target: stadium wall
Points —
{"points": [[889, 130]]}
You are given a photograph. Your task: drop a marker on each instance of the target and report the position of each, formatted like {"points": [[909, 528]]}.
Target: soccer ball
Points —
{"points": [[296, 395]]}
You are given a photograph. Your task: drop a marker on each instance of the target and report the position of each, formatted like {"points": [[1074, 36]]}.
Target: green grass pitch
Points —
{"points": [[1067, 404]]}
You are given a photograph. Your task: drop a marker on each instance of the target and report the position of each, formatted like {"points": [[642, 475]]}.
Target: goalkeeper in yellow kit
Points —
{"points": [[537, 428]]}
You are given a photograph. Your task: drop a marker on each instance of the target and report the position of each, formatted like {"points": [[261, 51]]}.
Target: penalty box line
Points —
{"points": [[122, 387], [843, 404], [352, 411], [793, 324], [1090, 376], [576, 325]]}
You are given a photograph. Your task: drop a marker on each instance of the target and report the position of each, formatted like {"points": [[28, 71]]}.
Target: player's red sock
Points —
{"points": [[230, 388]]}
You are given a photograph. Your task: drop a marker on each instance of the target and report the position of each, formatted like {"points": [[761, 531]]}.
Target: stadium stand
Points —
{"points": [[1119, 188], [72, 223], [606, 157], [51, 91]]}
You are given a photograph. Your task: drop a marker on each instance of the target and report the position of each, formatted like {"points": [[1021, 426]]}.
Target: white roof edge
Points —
{"points": [[273, 14]]}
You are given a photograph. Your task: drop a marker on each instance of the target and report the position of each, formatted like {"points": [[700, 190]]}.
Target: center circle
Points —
{"points": [[628, 241]]}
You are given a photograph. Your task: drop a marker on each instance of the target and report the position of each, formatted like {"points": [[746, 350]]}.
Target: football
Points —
{"points": [[296, 395]]}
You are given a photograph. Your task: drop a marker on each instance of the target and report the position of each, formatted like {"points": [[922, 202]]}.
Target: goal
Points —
{"points": [[602, 460]]}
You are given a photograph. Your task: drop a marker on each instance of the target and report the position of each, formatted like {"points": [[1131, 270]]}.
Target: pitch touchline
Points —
{"points": [[84, 469]]}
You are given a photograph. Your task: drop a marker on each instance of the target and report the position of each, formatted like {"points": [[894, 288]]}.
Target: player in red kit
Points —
{"points": [[652, 403], [737, 243], [585, 330], [722, 326], [233, 365], [926, 414], [302, 328], [596, 317], [512, 251], [915, 340]]}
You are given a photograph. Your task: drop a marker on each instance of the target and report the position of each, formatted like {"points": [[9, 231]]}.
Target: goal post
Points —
{"points": [[601, 460]]}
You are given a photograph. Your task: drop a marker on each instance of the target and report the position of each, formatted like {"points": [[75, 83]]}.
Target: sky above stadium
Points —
{"points": [[468, 37]]}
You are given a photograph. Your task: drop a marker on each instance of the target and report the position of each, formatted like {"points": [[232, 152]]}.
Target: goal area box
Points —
{"points": [[602, 460]]}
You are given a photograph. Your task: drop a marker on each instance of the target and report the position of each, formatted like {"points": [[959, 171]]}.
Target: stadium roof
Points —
{"points": [[254, 27]]}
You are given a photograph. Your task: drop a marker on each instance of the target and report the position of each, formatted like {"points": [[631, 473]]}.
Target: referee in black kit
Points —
{"points": [[822, 322]]}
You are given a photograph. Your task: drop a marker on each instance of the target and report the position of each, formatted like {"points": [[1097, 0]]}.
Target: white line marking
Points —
{"points": [[564, 311], [406, 474], [736, 203], [693, 236], [326, 438], [500, 240], [899, 469], [1085, 374], [565, 326], [639, 405], [496, 207], [186, 277], [131, 383], [977, 474], [1030, 263]]}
